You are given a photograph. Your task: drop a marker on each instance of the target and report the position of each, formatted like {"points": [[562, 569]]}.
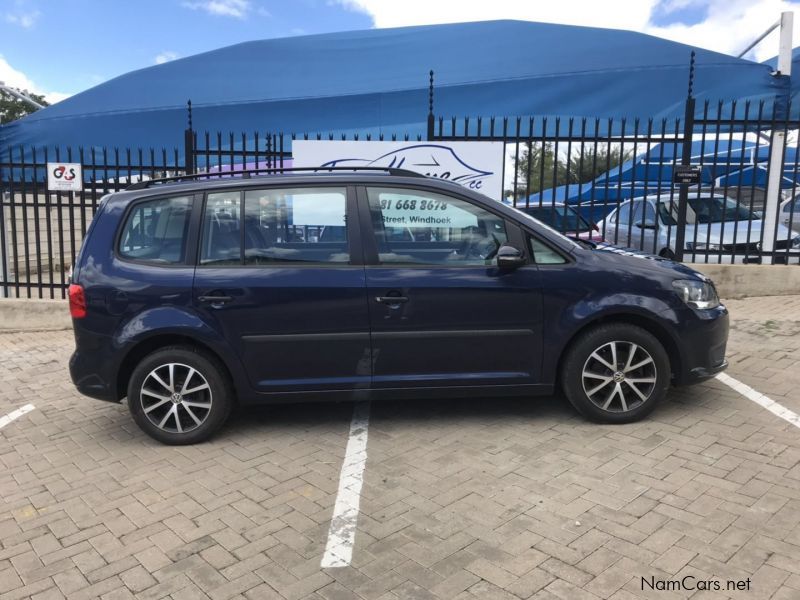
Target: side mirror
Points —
{"points": [[509, 258]]}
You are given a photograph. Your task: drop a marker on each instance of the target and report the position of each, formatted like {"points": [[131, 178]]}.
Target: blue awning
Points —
{"points": [[376, 81]]}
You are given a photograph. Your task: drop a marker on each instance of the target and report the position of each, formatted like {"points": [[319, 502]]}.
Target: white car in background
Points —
{"points": [[790, 213], [714, 223]]}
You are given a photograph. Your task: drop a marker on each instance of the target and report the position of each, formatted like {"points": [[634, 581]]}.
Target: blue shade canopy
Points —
{"points": [[376, 81], [725, 164]]}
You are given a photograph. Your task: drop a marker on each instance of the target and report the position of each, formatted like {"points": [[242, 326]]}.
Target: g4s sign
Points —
{"points": [[64, 177]]}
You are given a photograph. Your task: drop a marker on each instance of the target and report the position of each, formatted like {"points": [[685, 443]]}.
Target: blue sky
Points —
{"points": [[62, 47], [84, 42]]}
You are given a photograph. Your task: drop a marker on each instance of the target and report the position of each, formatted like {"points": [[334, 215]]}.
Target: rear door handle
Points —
{"points": [[391, 299]]}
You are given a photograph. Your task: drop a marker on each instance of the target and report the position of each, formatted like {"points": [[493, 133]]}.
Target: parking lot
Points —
{"points": [[490, 498]]}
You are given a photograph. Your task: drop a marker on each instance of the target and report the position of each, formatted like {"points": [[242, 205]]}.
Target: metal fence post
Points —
{"points": [[776, 150], [431, 118], [686, 160], [188, 144], [3, 249]]}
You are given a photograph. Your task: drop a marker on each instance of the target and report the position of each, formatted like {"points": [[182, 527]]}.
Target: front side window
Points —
{"points": [[277, 226], [543, 254], [425, 228], [665, 215], [156, 231], [643, 213]]}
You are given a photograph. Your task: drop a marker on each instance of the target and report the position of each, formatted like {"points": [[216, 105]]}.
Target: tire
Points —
{"points": [[607, 396], [191, 407], [667, 253]]}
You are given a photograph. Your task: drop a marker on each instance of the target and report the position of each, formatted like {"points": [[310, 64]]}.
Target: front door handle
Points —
{"points": [[215, 299], [391, 299]]}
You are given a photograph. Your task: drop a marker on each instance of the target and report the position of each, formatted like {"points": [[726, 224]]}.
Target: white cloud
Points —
{"points": [[25, 20], [625, 14], [17, 79], [223, 8], [729, 26], [53, 97], [165, 56]]}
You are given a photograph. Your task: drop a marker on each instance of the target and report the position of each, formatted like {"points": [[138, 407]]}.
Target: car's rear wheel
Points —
{"points": [[615, 373], [178, 395]]}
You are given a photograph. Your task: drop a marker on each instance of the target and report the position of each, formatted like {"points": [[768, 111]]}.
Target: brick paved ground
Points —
{"points": [[472, 499]]}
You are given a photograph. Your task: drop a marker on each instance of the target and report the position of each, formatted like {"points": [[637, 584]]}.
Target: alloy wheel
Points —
{"points": [[619, 376], [176, 398]]}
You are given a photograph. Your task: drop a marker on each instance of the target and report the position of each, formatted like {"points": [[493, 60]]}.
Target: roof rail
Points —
{"points": [[144, 184]]}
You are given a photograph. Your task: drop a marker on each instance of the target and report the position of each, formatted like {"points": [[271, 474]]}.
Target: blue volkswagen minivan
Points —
{"points": [[192, 296]]}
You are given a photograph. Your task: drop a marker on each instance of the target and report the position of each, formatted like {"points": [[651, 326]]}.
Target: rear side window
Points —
{"points": [[624, 213], [156, 231], [275, 226], [222, 230]]}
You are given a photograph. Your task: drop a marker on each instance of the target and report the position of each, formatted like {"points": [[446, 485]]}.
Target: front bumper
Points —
{"points": [[702, 340], [703, 373]]}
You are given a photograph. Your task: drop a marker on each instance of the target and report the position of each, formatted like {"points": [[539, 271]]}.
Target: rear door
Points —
{"points": [[442, 313], [288, 298]]}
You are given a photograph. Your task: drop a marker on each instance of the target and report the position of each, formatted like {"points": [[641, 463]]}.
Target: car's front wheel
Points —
{"points": [[667, 253], [178, 396], [615, 373]]}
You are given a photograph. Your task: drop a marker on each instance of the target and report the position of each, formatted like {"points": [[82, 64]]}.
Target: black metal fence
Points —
{"points": [[620, 181], [695, 189]]}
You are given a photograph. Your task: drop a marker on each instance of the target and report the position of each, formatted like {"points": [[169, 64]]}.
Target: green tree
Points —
{"points": [[594, 162], [540, 166], [538, 169], [12, 108]]}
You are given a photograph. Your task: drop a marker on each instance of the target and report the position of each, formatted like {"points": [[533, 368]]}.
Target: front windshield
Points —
{"points": [[561, 218], [717, 210], [713, 210], [525, 218]]}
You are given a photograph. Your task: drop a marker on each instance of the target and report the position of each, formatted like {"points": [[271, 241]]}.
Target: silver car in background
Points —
{"points": [[790, 213], [716, 226]]}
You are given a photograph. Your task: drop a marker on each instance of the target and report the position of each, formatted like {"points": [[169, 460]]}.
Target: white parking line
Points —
{"points": [[342, 532], [15, 414], [760, 399]]}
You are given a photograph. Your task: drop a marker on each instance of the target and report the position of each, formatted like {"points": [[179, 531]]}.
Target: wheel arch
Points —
{"points": [[155, 342], [650, 325]]}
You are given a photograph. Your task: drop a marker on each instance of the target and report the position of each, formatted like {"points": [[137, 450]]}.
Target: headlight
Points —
{"points": [[697, 294]]}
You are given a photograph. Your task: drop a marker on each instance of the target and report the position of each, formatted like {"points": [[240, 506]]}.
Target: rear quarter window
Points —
{"points": [[156, 231]]}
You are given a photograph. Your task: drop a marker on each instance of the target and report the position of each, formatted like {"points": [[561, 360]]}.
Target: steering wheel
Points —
{"points": [[480, 248]]}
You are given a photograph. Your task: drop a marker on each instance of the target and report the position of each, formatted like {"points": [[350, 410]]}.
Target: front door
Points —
{"points": [[644, 225], [441, 312], [279, 275]]}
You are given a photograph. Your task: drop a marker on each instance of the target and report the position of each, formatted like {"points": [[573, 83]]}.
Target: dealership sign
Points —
{"points": [[475, 165], [64, 177]]}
